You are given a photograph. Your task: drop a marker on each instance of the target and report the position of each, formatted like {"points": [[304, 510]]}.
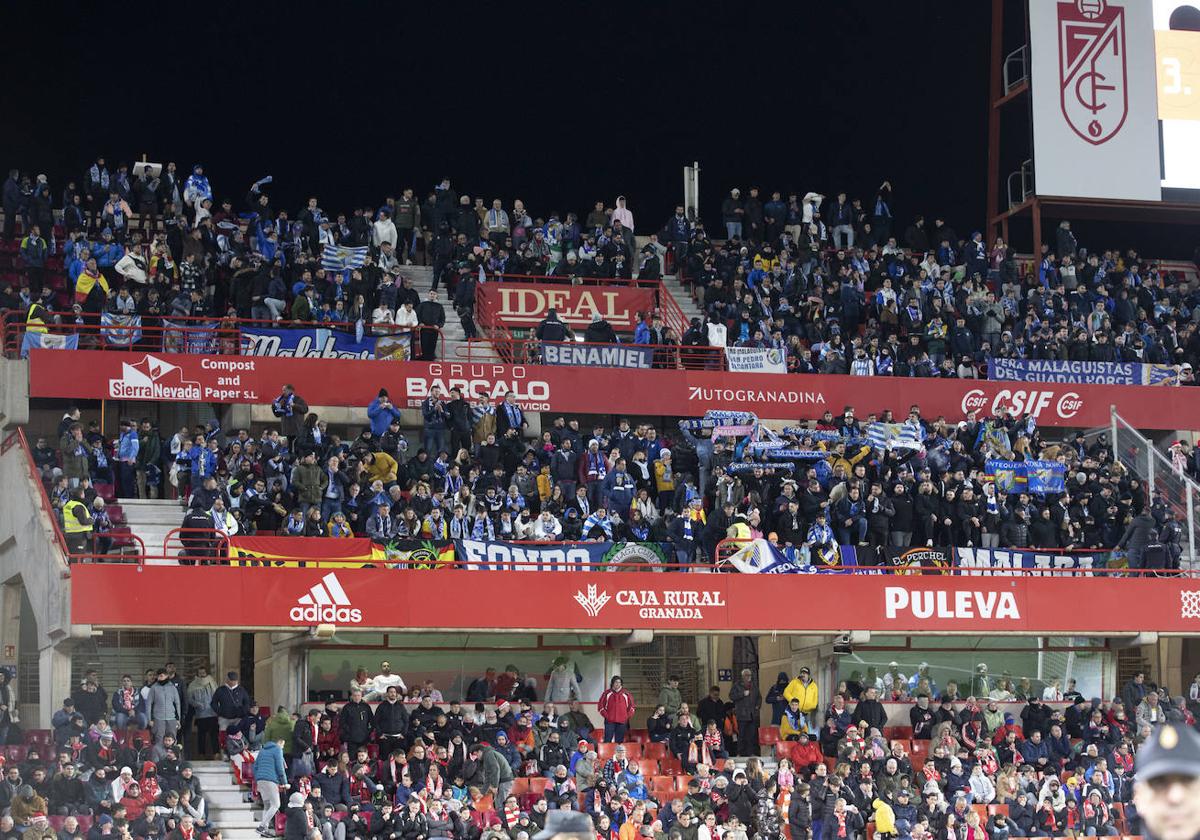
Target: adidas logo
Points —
{"points": [[326, 603]]}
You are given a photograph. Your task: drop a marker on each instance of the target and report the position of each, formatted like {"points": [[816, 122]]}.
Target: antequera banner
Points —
{"points": [[115, 374], [116, 595]]}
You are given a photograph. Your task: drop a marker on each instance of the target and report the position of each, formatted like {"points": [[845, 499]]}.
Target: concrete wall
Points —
{"points": [[30, 558], [14, 393]]}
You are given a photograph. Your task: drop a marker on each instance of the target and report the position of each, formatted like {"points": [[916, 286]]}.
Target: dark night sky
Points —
{"points": [[557, 104]]}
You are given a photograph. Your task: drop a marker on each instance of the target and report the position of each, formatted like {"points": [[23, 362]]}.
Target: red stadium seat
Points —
{"points": [[768, 735], [655, 750]]}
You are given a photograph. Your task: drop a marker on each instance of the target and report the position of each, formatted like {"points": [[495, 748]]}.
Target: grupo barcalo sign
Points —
{"points": [[119, 375]]}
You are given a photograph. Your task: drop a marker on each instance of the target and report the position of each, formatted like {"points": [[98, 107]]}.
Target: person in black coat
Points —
{"points": [[902, 519], [297, 818], [741, 798], [800, 813], [600, 331], [870, 710], [354, 722], [431, 314]]}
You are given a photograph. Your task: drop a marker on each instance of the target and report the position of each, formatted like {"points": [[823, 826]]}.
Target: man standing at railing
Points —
{"points": [[127, 453], [431, 315]]}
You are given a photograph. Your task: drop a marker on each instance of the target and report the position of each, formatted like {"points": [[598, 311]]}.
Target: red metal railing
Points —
{"points": [[573, 279], [528, 351], [730, 545], [187, 335]]}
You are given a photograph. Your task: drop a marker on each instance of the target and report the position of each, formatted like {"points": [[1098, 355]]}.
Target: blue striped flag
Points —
{"points": [[895, 436], [343, 257], [121, 330]]}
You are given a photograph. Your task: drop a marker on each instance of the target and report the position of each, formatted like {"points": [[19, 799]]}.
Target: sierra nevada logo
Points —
{"points": [[592, 602], [1092, 68], [153, 379]]}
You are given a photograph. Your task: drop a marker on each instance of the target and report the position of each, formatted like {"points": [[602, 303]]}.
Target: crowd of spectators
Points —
{"points": [[476, 473], [834, 283], [838, 287], [958, 767]]}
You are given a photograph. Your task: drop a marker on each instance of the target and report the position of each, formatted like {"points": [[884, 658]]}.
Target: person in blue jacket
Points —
{"points": [[270, 775], [381, 412], [107, 253]]}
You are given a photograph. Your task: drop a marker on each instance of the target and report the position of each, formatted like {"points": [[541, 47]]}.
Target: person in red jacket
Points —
{"points": [[805, 754], [616, 706]]}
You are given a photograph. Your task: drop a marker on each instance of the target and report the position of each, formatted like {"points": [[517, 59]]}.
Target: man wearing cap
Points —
{"points": [[232, 702], [1166, 788], [804, 688]]}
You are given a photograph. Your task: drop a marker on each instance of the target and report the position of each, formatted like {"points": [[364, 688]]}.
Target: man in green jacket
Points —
{"points": [[149, 455], [668, 696], [309, 481], [492, 773]]}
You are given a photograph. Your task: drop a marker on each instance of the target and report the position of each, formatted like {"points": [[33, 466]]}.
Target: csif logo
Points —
{"points": [[326, 603]]}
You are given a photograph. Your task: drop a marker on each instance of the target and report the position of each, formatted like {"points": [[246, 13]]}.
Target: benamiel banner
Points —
{"points": [[596, 355]]}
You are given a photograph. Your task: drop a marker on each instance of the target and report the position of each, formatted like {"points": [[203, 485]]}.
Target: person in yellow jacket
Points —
{"points": [[846, 459], [664, 480], [794, 723], [804, 689], [885, 819], [77, 523], [35, 319], [381, 467]]}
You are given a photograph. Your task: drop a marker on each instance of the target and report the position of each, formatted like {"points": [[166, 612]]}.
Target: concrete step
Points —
{"points": [[231, 798], [240, 833]]}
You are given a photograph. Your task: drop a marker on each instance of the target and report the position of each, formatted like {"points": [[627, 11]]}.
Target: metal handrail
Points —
{"points": [[224, 334]]}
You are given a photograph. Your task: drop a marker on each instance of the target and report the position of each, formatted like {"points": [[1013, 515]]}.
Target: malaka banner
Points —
{"points": [[181, 377], [309, 344], [120, 595], [524, 305]]}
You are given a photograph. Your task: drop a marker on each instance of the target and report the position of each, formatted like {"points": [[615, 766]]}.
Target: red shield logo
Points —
{"points": [[1091, 68]]}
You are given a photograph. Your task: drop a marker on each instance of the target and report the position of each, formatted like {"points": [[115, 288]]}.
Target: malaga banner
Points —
{"points": [[1094, 373], [1003, 561]]}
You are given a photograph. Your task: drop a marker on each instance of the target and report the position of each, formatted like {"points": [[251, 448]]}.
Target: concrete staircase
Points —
{"points": [[227, 808], [151, 520], [680, 294]]}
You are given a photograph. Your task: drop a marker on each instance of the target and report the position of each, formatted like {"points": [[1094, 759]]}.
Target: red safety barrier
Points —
{"points": [[528, 351], [183, 335]]}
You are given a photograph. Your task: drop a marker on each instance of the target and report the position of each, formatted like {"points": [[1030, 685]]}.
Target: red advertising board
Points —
{"points": [[525, 304], [95, 374], [129, 596]]}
